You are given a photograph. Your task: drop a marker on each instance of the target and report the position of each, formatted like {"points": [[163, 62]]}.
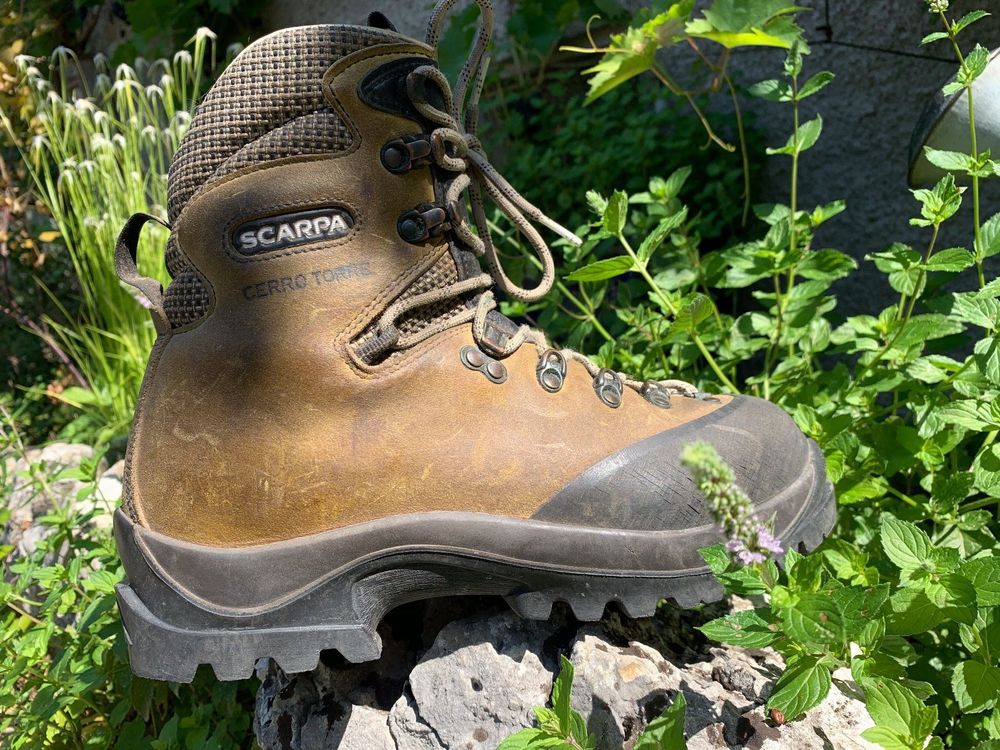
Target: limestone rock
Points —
{"points": [[448, 681], [462, 688]]}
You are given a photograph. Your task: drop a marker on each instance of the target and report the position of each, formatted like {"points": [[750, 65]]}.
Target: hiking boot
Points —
{"points": [[336, 419]]}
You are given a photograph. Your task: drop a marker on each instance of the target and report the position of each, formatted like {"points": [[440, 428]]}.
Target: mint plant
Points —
{"points": [[562, 728]]}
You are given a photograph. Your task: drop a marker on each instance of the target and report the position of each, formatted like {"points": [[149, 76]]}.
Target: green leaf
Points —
{"points": [[523, 740], [989, 238], [895, 707], [815, 84], [986, 471], [815, 619], [984, 575], [698, 309], [772, 90], [934, 37], [635, 50], [602, 269], [826, 265], [975, 63], [913, 612], [666, 731], [976, 686], [562, 690], [655, 238], [953, 259], [973, 415], [597, 202], [887, 738], [807, 135], [987, 356], [938, 204], [738, 23], [616, 214], [717, 558], [906, 545], [802, 686], [967, 20], [745, 628], [950, 161], [954, 596]]}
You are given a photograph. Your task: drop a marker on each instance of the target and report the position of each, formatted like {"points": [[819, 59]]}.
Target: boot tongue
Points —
{"points": [[378, 20]]}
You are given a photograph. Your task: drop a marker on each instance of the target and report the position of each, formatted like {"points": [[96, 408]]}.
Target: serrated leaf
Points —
{"points": [[950, 161], [666, 731], [895, 707], [655, 238], [975, 63], [967, 20], [826, 265], [816, 84], [745, 628], [906, 545], [801, 140], [989, 238], [953, 259], [887, 738], [772, 90], [984, 575], [815, 619], [801, 687], [912, 612], [602, 269], [716, 557], [973, 415], [987, 356], [616, 214], [976, 686]]}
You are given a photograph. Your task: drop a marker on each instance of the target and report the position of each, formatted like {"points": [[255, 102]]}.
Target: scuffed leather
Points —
{"points": [[256, 425]]}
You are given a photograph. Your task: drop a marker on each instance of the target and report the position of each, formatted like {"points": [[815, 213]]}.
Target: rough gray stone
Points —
{"points": [[29, 498], [475, 681], [461, 689]]}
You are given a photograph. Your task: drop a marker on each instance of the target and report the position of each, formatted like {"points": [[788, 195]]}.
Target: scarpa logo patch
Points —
{"points": [[288, 230]]}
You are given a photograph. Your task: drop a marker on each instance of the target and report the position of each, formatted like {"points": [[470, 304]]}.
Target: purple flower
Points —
{"points": [[767, 541], [740, 551]]}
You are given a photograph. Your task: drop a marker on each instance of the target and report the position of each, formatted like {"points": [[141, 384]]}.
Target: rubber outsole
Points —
{"points": [[171, 632]]}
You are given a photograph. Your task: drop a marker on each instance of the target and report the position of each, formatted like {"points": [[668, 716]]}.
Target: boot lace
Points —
{"points": [[457, 150]]}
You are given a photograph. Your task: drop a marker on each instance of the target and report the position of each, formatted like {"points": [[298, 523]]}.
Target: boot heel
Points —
{"points": [[163, 651]]}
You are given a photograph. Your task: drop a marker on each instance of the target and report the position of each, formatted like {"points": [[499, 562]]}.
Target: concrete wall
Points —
{"points": [[884, 79]]}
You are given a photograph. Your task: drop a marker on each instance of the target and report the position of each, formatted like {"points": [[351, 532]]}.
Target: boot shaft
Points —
{"points": [[278, 195]]}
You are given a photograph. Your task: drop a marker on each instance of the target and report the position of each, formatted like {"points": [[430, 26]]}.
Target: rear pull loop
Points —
{"points": [[126, 266]]}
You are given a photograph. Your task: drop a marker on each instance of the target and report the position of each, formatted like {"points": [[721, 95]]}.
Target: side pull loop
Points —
{"points": [[126, 266]]}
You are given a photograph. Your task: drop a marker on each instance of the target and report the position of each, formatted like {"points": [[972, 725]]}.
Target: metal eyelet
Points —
{"points": [[473, 358], [423, 222], [551, 370], [656, 394], [609, 387]]}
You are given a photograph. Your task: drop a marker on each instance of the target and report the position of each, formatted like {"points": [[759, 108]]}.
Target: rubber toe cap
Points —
{"points": [[645, 487]]}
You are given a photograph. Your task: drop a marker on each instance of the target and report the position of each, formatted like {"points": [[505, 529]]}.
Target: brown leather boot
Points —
{"points": [[336, 419]]}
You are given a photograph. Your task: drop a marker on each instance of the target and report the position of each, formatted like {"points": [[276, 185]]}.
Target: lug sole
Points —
{"points": [[171, 632]]}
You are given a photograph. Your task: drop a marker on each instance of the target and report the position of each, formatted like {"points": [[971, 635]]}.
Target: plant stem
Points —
{"points": [[973, 140], [672, 308], [902, 325], [675, 88], [744, 153]]}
